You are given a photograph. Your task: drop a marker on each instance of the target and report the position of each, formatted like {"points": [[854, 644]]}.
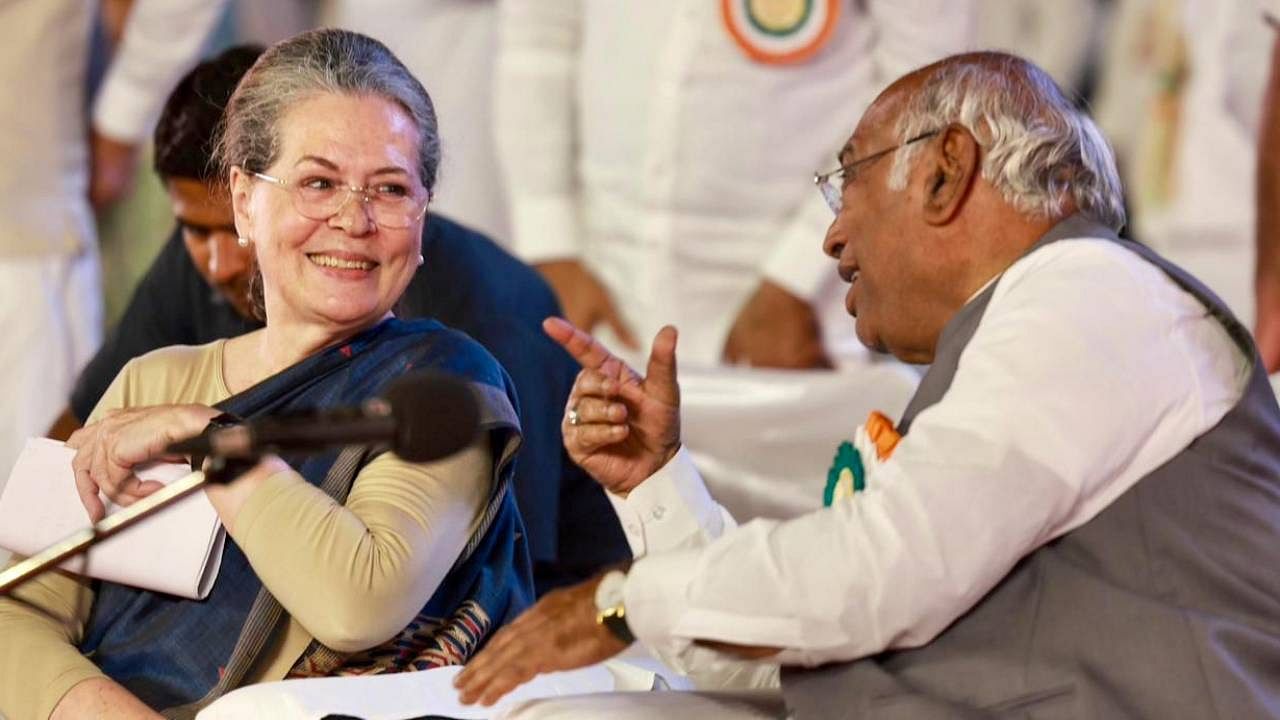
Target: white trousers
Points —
{"points": [[50, 326], [740, 705]]}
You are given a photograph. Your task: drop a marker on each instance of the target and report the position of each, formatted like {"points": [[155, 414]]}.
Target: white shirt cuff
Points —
{"points": [[654, 595], [671, 510]]}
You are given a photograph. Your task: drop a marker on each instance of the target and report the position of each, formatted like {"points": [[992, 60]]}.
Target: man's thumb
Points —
{"points": [[660, 380]]}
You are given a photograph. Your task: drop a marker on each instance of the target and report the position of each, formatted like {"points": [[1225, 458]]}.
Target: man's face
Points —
{"points": [[875, 240], [209, 232]]}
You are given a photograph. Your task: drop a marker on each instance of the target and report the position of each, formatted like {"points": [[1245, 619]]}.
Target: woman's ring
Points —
{"points": [[573, 416]]}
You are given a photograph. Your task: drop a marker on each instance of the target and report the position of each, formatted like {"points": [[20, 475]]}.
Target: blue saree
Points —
{"points": [[181, 654]]}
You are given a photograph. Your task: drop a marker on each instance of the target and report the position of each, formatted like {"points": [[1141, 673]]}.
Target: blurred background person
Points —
{"points": [[651, 152], [1180, 96], [57, 162]]}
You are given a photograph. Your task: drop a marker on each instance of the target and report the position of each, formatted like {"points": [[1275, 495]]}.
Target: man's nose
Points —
{"points": [[226, 258], [833, 244]]}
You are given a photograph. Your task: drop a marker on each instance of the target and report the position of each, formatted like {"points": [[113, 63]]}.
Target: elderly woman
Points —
{"points": [[352, 562]]}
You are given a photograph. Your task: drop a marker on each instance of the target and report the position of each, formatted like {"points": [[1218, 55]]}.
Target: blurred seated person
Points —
{"points": [[340, 563], [197, 291]]}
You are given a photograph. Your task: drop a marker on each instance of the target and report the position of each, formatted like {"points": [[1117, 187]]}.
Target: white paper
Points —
{"points": [[177, 550], [410, 694]]}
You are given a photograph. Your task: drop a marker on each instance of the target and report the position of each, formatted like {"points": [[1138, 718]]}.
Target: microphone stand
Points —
{"points": [[217, 469]]}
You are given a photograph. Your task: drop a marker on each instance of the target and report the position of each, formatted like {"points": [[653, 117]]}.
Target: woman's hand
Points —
{"points": [[108, 449]]}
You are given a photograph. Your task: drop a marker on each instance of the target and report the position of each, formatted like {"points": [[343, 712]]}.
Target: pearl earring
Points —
{"points": [[421, 260], [242, 241]]}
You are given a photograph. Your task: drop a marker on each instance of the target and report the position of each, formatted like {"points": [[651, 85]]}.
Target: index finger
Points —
{"points": [[584, 348], [87, 489]]}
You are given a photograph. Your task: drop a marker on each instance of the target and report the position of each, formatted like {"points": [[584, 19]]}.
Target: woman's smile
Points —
{"points": [[343, 265]]}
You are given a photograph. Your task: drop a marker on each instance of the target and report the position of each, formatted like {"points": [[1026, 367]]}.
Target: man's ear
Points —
{"points": [[952, 167], [241, 187]]}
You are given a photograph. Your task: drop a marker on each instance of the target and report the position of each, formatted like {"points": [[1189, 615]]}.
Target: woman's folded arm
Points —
{"points": [[355, 575]]}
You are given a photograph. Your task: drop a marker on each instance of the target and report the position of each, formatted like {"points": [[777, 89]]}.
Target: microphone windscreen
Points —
{"points": [[436, 415]]}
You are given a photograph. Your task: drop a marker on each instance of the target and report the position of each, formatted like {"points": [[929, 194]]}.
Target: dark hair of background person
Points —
{"points": [[186, 133]]}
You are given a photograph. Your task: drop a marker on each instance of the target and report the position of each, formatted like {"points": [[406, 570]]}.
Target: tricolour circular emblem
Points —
{"points": [[780, 32]]}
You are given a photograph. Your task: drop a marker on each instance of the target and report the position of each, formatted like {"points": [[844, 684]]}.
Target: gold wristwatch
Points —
{"points": [[610, 611]]}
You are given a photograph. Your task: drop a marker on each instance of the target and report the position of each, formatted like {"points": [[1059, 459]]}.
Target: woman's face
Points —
{"points": [[344, 272]]}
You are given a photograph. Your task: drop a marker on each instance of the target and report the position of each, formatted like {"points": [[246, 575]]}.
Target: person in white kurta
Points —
{"points": [[698, 575], [50, 285], [645, 144], [1195, 375]]}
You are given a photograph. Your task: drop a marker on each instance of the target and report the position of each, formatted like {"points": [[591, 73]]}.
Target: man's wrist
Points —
{"points": [[623, 491], [611, 611], [667, 457]]}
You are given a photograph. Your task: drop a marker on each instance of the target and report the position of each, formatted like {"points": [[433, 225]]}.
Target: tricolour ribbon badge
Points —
{"points": [[873, 444]]}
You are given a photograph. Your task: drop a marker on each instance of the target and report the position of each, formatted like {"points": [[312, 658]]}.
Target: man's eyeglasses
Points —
{"points": [[831, 184], [393, 204]]}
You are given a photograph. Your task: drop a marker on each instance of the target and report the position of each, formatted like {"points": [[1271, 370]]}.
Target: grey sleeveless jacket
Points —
{"points": [[1164, 605]]}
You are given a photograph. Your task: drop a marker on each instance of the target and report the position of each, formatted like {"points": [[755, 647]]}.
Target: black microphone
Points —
{"points": [[423, 416]]}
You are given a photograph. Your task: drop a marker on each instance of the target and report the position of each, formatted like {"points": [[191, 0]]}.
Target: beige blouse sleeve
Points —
{"points": [[355, 575]]}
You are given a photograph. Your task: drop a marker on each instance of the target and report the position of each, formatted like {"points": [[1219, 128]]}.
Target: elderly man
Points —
{"points": [[1079, 518]]}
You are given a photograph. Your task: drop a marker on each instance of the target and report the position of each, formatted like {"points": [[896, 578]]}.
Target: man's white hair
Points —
{"points": [[1037, 148]]}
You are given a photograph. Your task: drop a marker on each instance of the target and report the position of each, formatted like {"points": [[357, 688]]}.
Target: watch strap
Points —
{"points": [[217, 422], [614, 620]]}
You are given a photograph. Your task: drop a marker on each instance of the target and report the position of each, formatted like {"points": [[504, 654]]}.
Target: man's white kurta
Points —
{"points": [[1089, 369]]}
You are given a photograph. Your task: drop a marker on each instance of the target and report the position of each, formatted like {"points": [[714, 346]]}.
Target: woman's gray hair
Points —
{"points": [[333, 61], [1038, 149]]}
